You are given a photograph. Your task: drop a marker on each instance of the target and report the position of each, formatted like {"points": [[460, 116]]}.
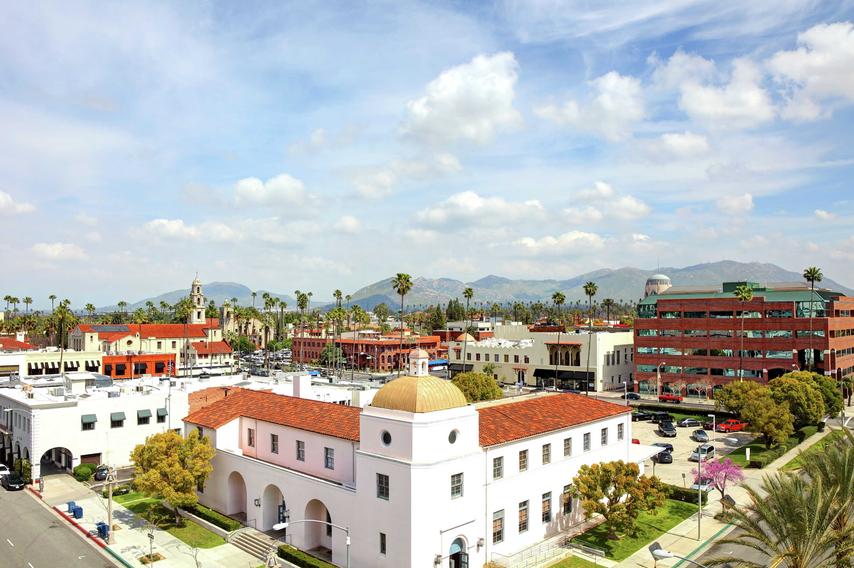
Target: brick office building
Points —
{"points": [[370, 351], [693, 337]]}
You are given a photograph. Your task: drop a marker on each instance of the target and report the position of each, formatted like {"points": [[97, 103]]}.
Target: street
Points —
{"points": [[32, 537]]}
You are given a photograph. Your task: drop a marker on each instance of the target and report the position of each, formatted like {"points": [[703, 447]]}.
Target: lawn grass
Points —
{"points": [[649, 527], [193, 534], [795, 463], [129, 497], [757, 450], [573, 562]]}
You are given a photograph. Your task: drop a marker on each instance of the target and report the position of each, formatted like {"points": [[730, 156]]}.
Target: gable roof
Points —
{"points": [[111, 332], [316, 416], [516, 420], [212, 348], [12, 344]]}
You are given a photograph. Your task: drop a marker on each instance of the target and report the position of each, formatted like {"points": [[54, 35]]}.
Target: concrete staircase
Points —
{"points": [[253, 542]]}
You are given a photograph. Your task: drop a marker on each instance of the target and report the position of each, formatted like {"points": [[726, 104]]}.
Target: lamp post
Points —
{"points": [[626, 392], [658, 378], [660, 554], [714, 427], [111, 478], [280, 526]]}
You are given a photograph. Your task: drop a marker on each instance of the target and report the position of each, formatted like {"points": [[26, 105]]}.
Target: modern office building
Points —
{"points": [[693, 337], [367, 349]]}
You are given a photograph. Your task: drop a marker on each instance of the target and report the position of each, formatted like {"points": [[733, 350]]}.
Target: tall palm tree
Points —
{"points": [[302, 304], [744, 294], [14, 301], [789, 521], [608, 304], [812, 275], [468, 294], [253, 298], [558, 299], [52, 299], [90, 309], [27, 302], [7, 298], [402, 284], [590, 289]]}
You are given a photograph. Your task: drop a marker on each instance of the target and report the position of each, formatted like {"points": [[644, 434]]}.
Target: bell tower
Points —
{"points": [[197, 299]]}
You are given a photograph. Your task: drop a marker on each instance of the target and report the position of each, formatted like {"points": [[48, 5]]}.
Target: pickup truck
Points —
{"points": [[731, 425], [667, 397]]}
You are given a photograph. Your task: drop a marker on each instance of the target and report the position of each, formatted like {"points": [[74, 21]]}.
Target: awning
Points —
{"points": [[640, 452], [144, 413], [88, 419], [562, 375], [162, 412], [117, 416], [458, 367]]}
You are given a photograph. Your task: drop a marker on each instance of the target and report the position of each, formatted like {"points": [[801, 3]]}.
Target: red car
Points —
{"points": [[666, 397], [731, 425]]}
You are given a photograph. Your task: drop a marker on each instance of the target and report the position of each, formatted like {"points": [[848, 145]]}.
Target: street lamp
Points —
{"points": [[626, 392], [658, 378], [111, 478], [714, 426], [661, 554], [281, 526]]}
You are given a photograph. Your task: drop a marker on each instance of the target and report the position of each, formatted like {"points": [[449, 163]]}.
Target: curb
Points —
{"points": [[704, 544], [34, 492], [83, 530], [116, 555]]}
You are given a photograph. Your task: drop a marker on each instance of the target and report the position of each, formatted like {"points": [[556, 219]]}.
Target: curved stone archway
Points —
{"points": [[273, 507], [236, 503], [56, 460], [318, 535]]}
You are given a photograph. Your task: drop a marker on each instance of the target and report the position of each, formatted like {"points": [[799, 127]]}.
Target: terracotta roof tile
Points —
{"points": [[12, 344], [516, 420], [311, 415], [213, 348]]}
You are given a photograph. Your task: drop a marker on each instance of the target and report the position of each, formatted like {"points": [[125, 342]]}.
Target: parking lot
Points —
{"points": [[683, 446]]}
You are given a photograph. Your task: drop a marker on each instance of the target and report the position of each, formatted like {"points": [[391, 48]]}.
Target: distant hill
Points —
{"points": [[219, 292]]}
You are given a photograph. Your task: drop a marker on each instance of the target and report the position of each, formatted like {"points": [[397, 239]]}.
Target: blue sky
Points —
{"points": [[327, 145]]}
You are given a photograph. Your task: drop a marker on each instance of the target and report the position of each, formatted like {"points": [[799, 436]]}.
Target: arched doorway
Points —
{"points": [[273, 507], [318, 535], [56, 460], [236, 505], [458, 556]]}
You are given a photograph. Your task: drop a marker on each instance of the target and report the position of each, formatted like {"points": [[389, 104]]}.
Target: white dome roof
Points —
{"points": [[658, 277]]}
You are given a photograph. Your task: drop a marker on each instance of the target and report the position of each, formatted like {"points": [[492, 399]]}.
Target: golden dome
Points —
{"points": [[465, 337], [419, 394]]}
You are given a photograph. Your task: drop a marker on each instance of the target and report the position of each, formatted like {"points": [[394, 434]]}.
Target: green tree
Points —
{"points": [[381, 311], [468, 294], [825, 385], [804, 400], [477, 386], [239, 343], [27, 303], [90, 309], [744, 294], [330, 354], [437, 319], [590, 289], [618, 492], [734, 396], [558, 300], [767, 417], [52, 299], [608, 304], [402, 284], [812, 274], [173, 468]]}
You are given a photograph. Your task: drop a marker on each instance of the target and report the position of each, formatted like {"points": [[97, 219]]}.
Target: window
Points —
{"points": [[117, 422], [523, 460], [587, 441], [250, 437], [523, 516], [328, 458], [567, 500], [142, 420], [274, 443], [486, 357], [547, 507], [160, 345], [161, 418], [88, 426], [328, 524], [498, 526], [604, 437], [382, 486], [506, 358], [547, 453], [468, 356], [200, 431], [477, 356], [300, 450], [382, 543], [498, 468], [567, 447], [621, 431], [174, 345], [515, 358], [456, 485]]}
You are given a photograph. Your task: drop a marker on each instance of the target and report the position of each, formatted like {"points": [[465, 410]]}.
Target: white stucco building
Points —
{"points": [[420, 477]]}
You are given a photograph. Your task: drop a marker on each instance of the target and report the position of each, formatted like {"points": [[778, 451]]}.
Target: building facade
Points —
{"points": [[367, 350], [50, 361], [692, 340]]}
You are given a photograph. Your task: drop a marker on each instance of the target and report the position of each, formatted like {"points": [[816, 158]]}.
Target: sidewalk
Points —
{"points": [[131, 535]]}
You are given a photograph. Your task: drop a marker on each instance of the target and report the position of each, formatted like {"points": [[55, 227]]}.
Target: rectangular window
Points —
{"points": [[88, 425], [174, 345], [498, 526], [117, 423], [523, 460], [274, 443], [527, 359], [523, 516], [477, 356], [567, 447], [506, 358], [604, 437], [515, 358], [621, 431], [498, 468], [300, 450], [161, 419], [328, 458], [547, 453], [142, 420], [250, 437], [382, 486], [547, 507], [468, 356], [567, 500], [382, 543], [456, 485], [587, 441], [200, 431]]}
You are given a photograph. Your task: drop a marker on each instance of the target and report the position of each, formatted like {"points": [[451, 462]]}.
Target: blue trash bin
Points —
{"points": [[71, 505], [78, 512], [101, 526]]}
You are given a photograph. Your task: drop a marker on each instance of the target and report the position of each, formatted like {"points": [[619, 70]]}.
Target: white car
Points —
{"points": [[4, 470]]}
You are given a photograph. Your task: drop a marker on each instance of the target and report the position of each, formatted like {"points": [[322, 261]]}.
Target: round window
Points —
{"points": [[452, 437], [386, 437]]}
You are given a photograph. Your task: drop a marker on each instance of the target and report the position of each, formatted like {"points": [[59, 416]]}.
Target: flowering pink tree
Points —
{"points": [[722, 473]]}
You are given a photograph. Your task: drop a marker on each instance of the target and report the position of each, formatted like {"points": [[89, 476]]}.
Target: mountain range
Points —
{"points": [[624, 284]]}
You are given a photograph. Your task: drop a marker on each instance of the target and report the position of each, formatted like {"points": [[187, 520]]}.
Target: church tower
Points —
{"points": [[197, 299]]}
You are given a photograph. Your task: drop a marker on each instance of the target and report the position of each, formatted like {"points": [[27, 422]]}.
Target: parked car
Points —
{"points": [[703, 452], [12, 482], [630, 396], [101, 473], [659, 417], [667, 397], [640, 415], [705, 484], [663, 457], [4, 470], [635, 441], [689, 423], [700, 436], [667, 429], [667, 447], [732, 425]]}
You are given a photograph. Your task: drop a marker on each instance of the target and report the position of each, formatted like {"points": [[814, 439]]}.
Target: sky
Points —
{"points": [[323, 145]]}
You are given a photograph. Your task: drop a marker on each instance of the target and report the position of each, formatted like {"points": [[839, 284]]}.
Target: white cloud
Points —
{"points": [[639, 237], [380, 182], [741, 103], [315, 141], [819, 69], [617, 105], [348, 224], [58, 251], [472, 208], [280, 190], [681, 68], [9, 205], [571, 242], [421, 235], [685, 144], [468, 102], [605, 202], [824, 215], [736, 204], [165, 229], [588, 214], [598, 192], [628, 207]]}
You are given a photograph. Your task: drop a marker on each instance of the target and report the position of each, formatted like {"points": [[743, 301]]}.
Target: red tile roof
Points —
{"points": [[311, 415], [213, 348], [516, 420], [12, 344], [146, 330]]}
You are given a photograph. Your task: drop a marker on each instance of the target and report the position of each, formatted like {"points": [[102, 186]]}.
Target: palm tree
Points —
{"points": [[14, 301], [468, 294], [402, 284], [90, 309], [302, 304], [7, 298], [608, 304], [590, 289], [52, 299], [558, 298], [789, 520], [812, 275], [744, 294], [27, 302]]}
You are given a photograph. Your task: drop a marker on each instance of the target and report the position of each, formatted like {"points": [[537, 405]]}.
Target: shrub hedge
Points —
{"points": [[213, 517], [83, 472], [684, 494], [120, 490], [772, 454], [301, 559]]}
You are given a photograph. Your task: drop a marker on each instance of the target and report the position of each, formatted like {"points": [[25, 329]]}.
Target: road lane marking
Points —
{"points": [[30, 565], [12, 544]]}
